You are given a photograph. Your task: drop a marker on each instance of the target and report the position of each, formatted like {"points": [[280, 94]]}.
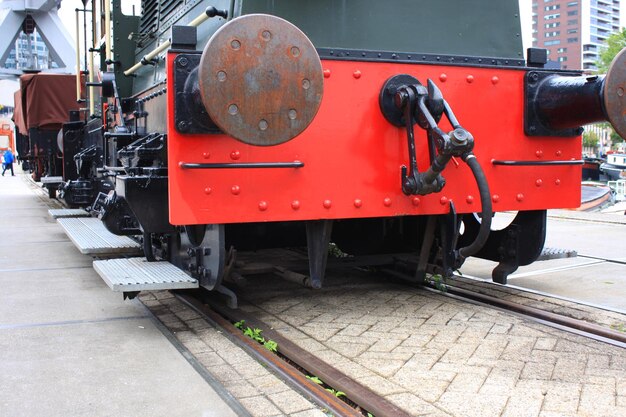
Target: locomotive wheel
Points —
{"points": [[261, 79], [200, 251]]}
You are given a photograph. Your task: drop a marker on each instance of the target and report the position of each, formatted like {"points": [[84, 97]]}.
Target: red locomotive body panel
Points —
{"points": [[353, 157]]}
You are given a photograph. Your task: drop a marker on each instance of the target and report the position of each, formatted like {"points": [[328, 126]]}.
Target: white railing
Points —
{"points": [[619, 188]]}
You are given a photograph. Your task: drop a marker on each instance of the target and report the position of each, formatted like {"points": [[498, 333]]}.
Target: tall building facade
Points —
{"points": [[574, 32]]}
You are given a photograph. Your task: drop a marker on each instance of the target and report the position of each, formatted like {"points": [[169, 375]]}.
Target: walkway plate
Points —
{"points": [[51, 180], [137, 274], [91, 237], [57, 213]]}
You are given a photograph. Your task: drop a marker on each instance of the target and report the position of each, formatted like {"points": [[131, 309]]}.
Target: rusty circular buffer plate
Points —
{"points": [[614, 93], [261, 79]]}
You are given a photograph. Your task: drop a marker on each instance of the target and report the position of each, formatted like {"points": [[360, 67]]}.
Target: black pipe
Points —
{"points": [[487, 211], [569, 102]]}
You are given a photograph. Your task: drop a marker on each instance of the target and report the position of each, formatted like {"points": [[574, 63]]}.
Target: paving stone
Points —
{"points": [[415, 405], [381, 386], [537, 370], [268, 384], [314, 412], [472, 405], [524, 404], [350, 350], [260, 406], [562, 397], [290, 402], [466, 382], [383, 367], [223, 373], [249, 369], [354, 330], [319, 332], [235, 357], [400, 353], [545, 343], [428, 389], [569, 370], [241, 389]]}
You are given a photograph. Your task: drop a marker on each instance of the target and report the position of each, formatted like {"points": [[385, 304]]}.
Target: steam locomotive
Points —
{"points": [[383, 127]]}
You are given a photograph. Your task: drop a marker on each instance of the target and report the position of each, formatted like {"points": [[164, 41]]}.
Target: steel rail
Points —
{"points": [[569, 322], [289, 373], [355, 392], [591, 330]]}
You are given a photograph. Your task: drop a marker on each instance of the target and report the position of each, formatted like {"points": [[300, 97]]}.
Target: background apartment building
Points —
{"points": [[573, 32]]}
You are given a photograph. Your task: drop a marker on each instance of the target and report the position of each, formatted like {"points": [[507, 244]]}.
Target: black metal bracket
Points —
{"points": [[404, 101], [190, 116], [533, 126]]}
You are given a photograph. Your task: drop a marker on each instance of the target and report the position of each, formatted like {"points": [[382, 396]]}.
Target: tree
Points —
{"points": [[590, 139], [615, 43]]}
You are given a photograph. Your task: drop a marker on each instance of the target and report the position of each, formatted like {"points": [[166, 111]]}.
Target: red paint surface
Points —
{"points": [[351, 153]]}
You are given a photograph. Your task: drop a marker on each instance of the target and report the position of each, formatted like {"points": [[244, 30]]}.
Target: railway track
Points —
{"points": [[581, 327], [293, 364]]}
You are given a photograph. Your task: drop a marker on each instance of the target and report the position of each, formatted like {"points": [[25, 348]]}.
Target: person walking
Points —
{"points": [[8, 162]]}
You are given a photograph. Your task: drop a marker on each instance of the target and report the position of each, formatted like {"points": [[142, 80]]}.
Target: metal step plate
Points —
{"points": [[137, 274], [553, 253], [91, 237], [51, 180], [57, 213]]}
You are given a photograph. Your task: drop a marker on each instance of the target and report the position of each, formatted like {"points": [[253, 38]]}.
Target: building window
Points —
{"points": [[572, 40], [572, 21], [550, 43], [561, 50], [553, 7], [553, 25], [572, 3], [572, 13], [552, 34], [562, 58], [552, 16], [572, 31]]}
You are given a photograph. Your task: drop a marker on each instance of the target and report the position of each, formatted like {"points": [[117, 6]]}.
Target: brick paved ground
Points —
{"points": [[436, 356]]}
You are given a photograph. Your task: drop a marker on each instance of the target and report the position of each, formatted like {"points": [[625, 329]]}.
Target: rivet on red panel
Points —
{"points": [[416, 201], [469, 79], [235, 189], [356, 74], [235, 155], [358, 203], [539, 182], [295, 204], [495, 80], [559, 153], [263, 205], [443, 77], [519, 197], [326, 73], [495, 198], [206, 155], [539, 154], [327, 204], [208, 190], [387, 202], [557, 181], [443, 201], [470, 199]]}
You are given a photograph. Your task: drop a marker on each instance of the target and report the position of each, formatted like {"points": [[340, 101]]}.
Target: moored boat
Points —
{"points": [[615, 166]]}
